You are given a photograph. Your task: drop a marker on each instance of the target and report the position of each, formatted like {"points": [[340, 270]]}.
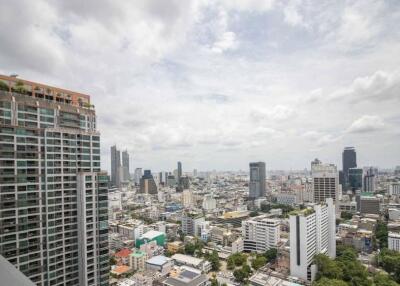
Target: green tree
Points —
{"points": [[242, 274], [214, 260], [271, 254], [346, 215], [190, 248], [265, 208], [236, 259], [258, 262], [327, 267], [254, 213], [329, 282], [384, 280], [239, 275], [381, 234], [4, 86], [390, 261]]}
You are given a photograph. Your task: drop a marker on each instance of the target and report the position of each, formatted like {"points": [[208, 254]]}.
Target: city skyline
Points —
{"points": [[219, 84]]}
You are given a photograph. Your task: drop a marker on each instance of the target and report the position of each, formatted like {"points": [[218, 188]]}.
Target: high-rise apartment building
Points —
{"points": [[325, 182], [125, 166], [257, 180], [349, 160], [53, 223], [260, 234], [312, 231], [115, 166]]}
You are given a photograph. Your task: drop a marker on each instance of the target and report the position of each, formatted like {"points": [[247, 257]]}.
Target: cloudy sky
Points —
{"points": [[217, 84]]}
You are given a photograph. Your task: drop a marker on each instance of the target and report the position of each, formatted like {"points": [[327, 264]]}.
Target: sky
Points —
{"points": [[217, 84]]}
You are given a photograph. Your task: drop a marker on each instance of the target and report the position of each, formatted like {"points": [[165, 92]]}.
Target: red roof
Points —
{"points": [[123, 253]]}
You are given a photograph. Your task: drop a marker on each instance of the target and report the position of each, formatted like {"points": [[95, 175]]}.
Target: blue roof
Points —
{"points": [[157, 260]]}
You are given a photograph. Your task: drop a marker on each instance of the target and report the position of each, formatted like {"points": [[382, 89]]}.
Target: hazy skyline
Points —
{"points": [[217, 84]]}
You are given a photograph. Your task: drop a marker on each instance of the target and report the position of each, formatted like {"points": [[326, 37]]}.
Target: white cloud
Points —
{"points": [[292, 14], [166, 85], [359, 23], [276, 114], [379, 86], [366, 124], [226, 42]]}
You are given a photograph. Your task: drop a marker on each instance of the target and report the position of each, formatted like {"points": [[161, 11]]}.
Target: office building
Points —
{"points": [[125, 166], [370, 204], [184, 183], [147, 183], [394, 241], [257, 180], [137, 175], [53, 224], [312, 231], [260, 234], [325, 182], [349, 160], [115, 166], [355, 177], [369, 180], [179, 174]]}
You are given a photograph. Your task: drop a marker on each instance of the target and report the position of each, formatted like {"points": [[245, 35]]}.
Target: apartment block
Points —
{"points": [[53, 212], [260, 234], [312, 231]]}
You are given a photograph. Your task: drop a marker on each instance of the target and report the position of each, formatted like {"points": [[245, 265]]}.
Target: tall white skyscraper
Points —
{"points": [[325, 181], [312, 231], [260, 233]]}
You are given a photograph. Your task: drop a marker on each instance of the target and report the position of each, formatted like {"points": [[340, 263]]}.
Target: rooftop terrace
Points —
{"points": [[45, 92]]}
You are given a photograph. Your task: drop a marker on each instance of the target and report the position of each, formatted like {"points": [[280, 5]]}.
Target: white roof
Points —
{"points": [[187, 259], [152, 234]]}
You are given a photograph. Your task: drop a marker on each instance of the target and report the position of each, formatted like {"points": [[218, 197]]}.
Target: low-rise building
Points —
{"points": [[152, 235], [234, 218], [198, 263], [175, 246], [138, 260], [187, 276], [394, 241], [159, 263]]}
